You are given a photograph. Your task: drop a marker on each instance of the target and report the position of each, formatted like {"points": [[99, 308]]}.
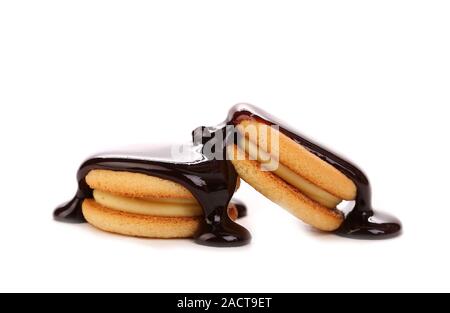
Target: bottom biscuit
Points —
{"points": [[143, 225], [287, 196]]}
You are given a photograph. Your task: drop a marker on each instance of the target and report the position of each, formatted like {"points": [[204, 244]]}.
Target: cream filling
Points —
{"points": [[171, 200], [148, 207], [304, 186]]}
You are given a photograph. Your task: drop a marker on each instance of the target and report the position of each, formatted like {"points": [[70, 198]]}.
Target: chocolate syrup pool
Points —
{"points": [[211, 181], [362, 222]]}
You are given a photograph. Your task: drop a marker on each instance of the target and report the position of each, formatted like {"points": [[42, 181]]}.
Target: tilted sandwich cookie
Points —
{"points": [[300, 181]]}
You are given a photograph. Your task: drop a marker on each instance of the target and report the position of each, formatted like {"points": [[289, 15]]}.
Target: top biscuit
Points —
{"points": [[135, 185], [302, 162]]}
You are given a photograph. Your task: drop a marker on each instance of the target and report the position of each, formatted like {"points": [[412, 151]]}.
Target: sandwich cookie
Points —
{"points": [[159, 194], [143, 206], [303, 177]]}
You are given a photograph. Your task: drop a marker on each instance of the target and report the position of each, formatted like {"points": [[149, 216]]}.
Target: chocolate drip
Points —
{"points": [[211, 181], [240, 207], [362, 222]]}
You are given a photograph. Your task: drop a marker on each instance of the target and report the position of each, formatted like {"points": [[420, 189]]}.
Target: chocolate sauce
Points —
{"points": [[362, 222], [211, 181], [240, 207]]}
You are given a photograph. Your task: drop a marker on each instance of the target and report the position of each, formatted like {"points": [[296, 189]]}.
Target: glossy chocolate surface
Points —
{"points": [[362, 222], [211, 181]]}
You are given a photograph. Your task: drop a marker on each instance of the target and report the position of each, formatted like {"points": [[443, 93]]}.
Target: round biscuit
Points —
{"points": [[145, 226], [135, 185], [287, 196], [301, 161]]}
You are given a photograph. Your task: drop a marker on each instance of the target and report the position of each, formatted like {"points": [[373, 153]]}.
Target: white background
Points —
{"points": [[371, 79]]}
